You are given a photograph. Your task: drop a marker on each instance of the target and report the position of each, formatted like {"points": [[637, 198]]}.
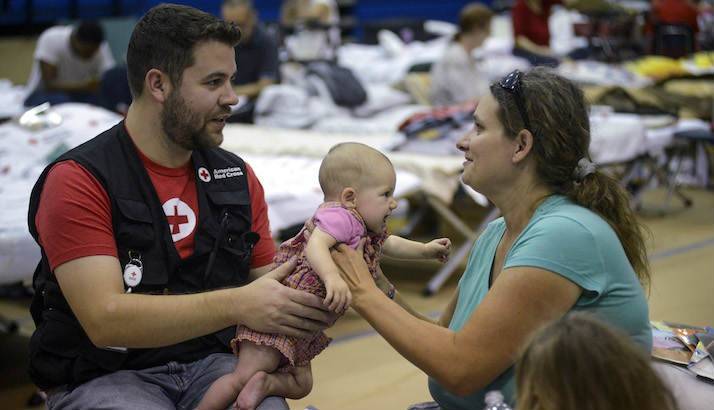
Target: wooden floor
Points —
{"points": [[360, 371]]}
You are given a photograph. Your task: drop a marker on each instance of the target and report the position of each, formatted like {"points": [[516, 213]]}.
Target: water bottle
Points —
{"points": [[494, 401]]}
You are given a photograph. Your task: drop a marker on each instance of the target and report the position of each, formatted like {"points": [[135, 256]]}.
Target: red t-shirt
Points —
{"points": [[530, 25], [74, 219], [675, 12]]}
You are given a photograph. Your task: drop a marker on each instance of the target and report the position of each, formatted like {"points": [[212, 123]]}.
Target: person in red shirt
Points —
{"points": [[180, 62], [679, 12], [675, 12], [531, 34]]}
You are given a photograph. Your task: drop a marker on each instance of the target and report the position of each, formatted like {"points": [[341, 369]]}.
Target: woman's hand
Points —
{"points": [[354, 271]]}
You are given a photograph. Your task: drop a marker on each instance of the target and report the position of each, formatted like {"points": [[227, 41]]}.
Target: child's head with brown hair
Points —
{"points": [[360, 177], [474, 24], [578, 362]]}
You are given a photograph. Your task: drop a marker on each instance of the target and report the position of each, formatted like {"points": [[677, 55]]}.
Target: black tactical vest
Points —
{"points": [[60, 351]]}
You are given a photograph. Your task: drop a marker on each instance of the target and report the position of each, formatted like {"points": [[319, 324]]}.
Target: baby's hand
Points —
{"points": [[438, 249], [338, 296]]}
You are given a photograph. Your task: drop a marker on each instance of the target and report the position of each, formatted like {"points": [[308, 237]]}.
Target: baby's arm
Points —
{"points": [[338, 296], [401, 248]]}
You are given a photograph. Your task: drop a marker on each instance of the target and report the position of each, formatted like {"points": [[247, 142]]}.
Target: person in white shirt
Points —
{"points": [[456, 78], [314, 27], [68, 64]]}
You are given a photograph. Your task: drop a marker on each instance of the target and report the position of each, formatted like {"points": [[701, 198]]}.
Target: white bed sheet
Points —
{"points": [[23, 156], [438, 174], [11, 98]]}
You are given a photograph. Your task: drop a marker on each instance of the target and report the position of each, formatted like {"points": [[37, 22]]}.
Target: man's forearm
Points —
{"points": [[88, 87], [145, 321], [527, 44]]}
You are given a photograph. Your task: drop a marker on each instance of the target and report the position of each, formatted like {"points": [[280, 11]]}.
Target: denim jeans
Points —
{"points": [[171, 386]]}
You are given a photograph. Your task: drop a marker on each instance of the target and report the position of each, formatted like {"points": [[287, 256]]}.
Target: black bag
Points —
{"points": [[345, 89]]}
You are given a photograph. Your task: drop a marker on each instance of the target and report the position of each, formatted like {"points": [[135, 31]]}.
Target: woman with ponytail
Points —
{"points": [[567, 241]]}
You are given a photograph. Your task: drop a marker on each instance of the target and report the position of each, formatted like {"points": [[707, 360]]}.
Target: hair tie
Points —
{"points": [[583, 169]]}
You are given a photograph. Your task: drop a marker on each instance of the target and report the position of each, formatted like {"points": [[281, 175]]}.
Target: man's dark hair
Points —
{"points": [[89, 32], [165, 39]]}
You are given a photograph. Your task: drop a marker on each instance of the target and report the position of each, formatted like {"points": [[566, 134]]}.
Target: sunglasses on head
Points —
{"points": [[513, 85]]}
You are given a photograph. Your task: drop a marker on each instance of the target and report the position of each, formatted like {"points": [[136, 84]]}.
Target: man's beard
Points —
{"points": [[184, 127]]}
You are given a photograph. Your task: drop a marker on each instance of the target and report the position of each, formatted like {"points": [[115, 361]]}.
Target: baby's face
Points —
{"points": [[375, 200]]}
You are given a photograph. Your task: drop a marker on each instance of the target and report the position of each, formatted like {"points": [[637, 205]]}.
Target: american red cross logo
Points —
{"points": [[181, 218], [204, 175]]}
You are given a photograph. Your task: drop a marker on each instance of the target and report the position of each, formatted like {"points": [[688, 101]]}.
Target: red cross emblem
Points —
{"points": [[176, 220], [204, 175], [180, 217]]}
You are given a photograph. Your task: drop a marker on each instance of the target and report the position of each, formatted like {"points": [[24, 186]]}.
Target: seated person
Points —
{"points": [[256, 57], [601, 365], [455, 78], [531, 34], [293, 12], [68, 64], [152, 252], [313, 27], [358, 183], [568, 241], [675, 12], [681, 12]]}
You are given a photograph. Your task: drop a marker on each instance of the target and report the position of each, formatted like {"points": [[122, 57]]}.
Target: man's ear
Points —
{"points": [[348, 197], [157, 84], [522, 145]]}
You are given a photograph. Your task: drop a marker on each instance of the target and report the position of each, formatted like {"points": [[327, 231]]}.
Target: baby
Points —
{"points": [[358, 185]]}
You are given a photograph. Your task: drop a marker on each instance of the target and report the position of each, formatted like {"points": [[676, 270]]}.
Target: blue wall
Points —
{"points": [[50, 11]]}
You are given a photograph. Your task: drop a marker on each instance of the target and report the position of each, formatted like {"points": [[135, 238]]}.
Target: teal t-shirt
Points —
{"points": [[573, 242]]}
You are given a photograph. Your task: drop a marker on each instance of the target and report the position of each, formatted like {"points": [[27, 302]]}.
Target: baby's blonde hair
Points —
{"points": [[350, 164]]}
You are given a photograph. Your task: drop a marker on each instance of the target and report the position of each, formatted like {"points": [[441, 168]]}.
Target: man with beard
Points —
{"points": [[155, 243]]}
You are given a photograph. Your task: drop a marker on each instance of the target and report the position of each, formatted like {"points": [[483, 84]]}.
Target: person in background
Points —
{"points": [[293, 12], [531, 33], [155, 241], [676, 12], [679, 12], [312, 29], [456, 78], [68, 64], [579, 359], [256, 57], [568, 240]]}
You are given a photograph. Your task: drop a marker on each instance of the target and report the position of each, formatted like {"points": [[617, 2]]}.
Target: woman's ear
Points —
{"points": [[157, 84], [348, 197], [523, 144]]}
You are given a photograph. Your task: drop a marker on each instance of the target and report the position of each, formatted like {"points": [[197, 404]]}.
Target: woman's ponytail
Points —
{"points": [[604, 195]]}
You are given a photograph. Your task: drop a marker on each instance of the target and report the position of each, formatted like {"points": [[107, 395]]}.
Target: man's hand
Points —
{"points": [[266, 305], [438, 249]]}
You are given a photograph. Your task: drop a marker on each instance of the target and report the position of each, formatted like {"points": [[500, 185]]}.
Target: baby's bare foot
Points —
{"points": [[253, 392]]}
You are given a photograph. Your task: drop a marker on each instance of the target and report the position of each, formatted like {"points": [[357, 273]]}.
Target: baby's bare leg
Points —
{"points": [[253, 359], [293, 385]]}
